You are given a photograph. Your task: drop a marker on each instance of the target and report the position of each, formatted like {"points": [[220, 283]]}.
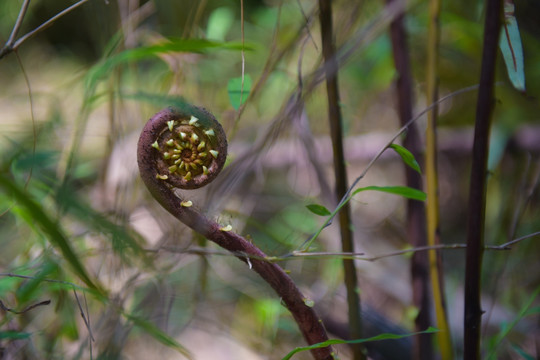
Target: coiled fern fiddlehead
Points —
{"points": [[186, 148]]}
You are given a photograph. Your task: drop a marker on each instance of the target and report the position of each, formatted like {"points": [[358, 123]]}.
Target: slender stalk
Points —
{"points": [[477, 193], [153, 152], [444, 339], [416, 220], [334, 115]]}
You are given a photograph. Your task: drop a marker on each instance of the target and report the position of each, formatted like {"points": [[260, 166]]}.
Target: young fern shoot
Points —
{"points": [[187, 148]]}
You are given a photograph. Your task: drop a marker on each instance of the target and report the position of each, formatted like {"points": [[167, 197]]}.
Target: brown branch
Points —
{"points": [[148, 156], [41, 303]]}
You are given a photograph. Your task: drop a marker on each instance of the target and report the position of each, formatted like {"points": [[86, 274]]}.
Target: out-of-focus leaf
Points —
{"points": [[407, 157], [53, 230], [122, 240], [158, 100], [385, 336], [318, 209], [267, 312], [497, 145], [533, 311], [404, 191], [510, 45], [27, 290], [171, 46], [507, 327], [158, 334], [14, 335], [238, 94], [522, 353], [219, 23]]}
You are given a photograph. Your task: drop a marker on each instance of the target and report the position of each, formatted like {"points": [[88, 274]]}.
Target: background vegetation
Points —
{"points": [[91, 266]]}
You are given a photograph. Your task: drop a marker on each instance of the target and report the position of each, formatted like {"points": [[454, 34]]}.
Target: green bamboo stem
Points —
{"points": [[444, 339]]}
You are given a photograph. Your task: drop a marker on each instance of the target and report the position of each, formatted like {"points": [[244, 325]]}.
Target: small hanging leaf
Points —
{"points": [[407, 157], [404, 191], [510, 45], [318, 209], [238, 94]]}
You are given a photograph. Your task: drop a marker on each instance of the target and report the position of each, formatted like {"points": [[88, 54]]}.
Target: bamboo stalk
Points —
{"points": [[334, 115], [416, 217], [444, 339], [477, 193]]}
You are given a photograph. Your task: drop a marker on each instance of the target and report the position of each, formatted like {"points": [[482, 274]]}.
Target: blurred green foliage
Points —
{"points": [[75, 217]]}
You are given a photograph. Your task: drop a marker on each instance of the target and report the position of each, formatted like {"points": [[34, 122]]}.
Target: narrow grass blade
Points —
{"points": [[158, 334], [52, 230], [171, 46], [380, 337], [404, 191], [14, 335]]}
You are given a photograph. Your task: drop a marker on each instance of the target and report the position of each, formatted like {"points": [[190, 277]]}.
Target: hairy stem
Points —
{"points": [[153, 177]]}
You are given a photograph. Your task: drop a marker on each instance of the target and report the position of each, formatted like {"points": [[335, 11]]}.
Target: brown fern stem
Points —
{"points": [[155, 170]]}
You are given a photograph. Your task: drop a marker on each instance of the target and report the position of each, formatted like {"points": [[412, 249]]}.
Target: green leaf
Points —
{"points": [[220, 22], [158, 100], [28, 289], [50, 228], [533, 311], [407, 157], [522, 353], [385, 336], [158, 334], [510, 45], [318, 209], [122, 240], [507, 327], [404, 191], [173, 45], [14, 335], [235, 90]]}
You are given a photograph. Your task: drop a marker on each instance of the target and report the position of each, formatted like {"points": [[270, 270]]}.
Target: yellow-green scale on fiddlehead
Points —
{"points": [[190, 147]]}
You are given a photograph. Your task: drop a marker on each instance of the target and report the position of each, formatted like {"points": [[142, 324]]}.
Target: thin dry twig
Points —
{"points": [[85, 319], [12, 44], [46, 280], [18, 23], [347, 255]]}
